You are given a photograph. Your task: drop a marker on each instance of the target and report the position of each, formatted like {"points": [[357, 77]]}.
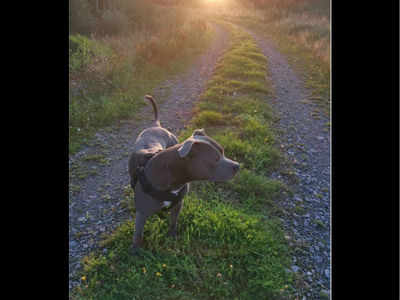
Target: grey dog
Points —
{"points": [[161, 169]]}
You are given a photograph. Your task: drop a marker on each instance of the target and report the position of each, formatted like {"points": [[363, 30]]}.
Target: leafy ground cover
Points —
{"points": [[229, 243]]}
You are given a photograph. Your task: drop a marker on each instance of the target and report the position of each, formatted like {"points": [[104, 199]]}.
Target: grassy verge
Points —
{"points": [[301, 31], [229, 244], [110, 74]]}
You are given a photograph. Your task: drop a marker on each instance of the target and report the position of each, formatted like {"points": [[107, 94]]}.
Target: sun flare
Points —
{"points": [[213, 1]]}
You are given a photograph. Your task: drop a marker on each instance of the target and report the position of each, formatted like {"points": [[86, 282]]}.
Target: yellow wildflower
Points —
{"points": [[231, 266], [158, 274], [83, 278], [164, 265], [144, 270]]}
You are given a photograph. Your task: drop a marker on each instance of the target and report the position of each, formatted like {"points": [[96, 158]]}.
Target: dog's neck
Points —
{"points": [[167, 170]]}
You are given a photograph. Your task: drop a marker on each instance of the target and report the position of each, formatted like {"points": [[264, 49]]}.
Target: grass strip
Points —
{"points": [[304, 37], [230, 245]]}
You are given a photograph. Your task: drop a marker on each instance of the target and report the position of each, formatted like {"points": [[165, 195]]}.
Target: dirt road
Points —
{"points": [[99, 175]]}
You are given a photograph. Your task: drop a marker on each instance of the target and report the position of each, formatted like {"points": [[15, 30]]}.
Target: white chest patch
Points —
{"points": [[176, 192], [166, 203]]}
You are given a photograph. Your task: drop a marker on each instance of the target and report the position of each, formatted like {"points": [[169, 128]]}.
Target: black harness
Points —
{"points": [[157, 194]]}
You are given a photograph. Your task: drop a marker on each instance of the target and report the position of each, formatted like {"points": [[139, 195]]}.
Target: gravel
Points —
{"points": [[95, 199], [306, 144]]}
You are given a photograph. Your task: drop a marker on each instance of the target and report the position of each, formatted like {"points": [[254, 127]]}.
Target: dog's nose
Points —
{"points": [[236, 167]]}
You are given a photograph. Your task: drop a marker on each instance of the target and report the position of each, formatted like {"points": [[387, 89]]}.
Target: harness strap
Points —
{"points": [[161, 196]]}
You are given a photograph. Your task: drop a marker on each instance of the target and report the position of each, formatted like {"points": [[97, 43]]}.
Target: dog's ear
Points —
{"points": [[199, 132], [184, 150]]}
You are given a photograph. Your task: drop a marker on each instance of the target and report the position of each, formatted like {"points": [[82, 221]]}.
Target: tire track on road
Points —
{"points": [[95, 200], [305, 140]]}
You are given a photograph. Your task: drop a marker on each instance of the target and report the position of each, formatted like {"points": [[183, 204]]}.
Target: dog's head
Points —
{"points": [[206, 159]]}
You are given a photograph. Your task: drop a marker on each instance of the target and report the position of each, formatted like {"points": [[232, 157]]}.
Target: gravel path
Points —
{"points": [[98, 174], [99, 178], [305, 140]]}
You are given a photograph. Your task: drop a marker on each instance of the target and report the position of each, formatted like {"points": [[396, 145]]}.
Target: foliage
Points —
{"points": [[123, 59], [229, 245]]}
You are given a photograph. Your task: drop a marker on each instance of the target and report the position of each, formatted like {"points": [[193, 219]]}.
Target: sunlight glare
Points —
{"points": [[213, 1]]}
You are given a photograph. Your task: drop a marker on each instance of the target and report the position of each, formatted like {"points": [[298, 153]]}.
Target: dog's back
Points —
{"points": [[150, 141]]}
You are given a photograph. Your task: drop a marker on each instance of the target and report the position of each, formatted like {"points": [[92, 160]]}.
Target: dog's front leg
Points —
{"points": [[174, 218], [140, 220]]}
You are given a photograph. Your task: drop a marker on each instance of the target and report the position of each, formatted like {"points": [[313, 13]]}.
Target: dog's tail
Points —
{"points": [[155, 108]]}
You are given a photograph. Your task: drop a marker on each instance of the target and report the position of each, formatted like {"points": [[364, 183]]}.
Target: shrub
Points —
{"points": [[80, 52], [83, 51]]}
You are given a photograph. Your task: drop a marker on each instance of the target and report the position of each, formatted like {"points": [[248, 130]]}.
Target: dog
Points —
{"points": [[161, 170]]}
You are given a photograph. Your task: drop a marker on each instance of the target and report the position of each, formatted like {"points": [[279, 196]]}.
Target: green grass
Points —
{"points": [[314, 69], [209, 117], [221, 252], [301, 31], [229, 245]]}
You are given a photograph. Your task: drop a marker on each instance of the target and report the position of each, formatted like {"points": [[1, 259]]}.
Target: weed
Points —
{"points": [[94, 157], [81, 172], [299, 209], [319, 223], [226, 246], [74, 188]]}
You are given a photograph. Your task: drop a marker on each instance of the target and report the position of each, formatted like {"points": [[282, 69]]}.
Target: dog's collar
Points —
{"points": [[163, 196]]}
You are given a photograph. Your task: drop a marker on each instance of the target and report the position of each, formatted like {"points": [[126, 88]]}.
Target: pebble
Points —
{"points": [[107, 215], [295, 268], [312, 172], [298, 199]]}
